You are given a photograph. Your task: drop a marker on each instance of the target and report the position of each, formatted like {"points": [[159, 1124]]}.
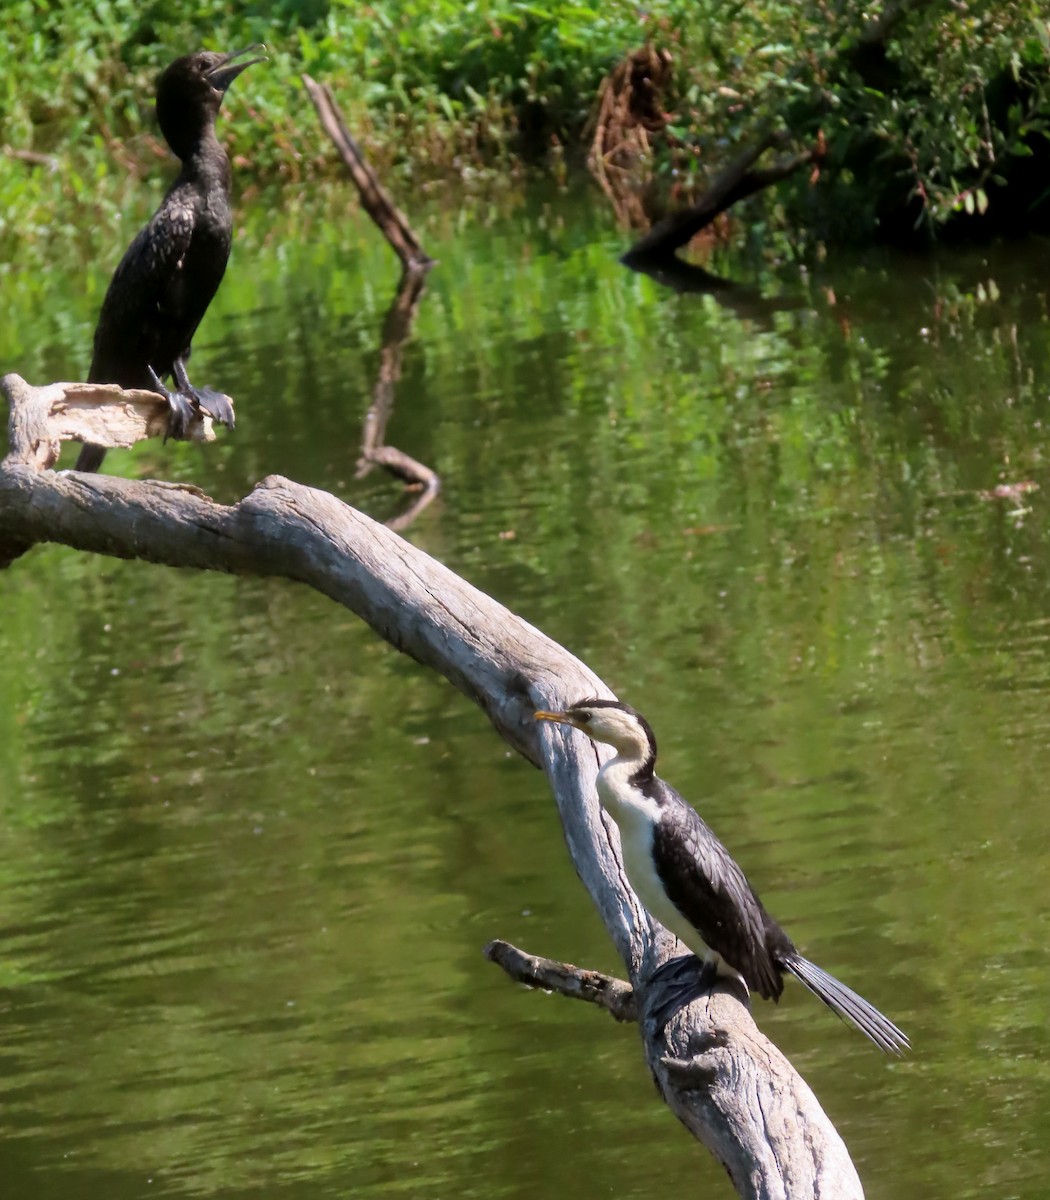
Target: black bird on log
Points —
{"points": [[689, 882], [162, 288]]}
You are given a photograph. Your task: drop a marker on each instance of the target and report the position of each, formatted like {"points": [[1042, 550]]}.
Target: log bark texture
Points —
{"points": [[719, 1075], [100, 413]]}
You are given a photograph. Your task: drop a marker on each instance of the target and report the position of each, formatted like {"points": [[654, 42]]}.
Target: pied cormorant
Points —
{"points": [[689, 882]]}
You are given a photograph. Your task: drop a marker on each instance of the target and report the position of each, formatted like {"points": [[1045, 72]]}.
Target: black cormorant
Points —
{"points": [[689, 882], [170, 272]]}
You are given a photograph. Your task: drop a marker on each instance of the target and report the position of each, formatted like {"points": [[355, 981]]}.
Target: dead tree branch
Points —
{"points": [[747, 1103], [374, 197], [720, 1076], [415, 264], [100, 413], [614, 995], [738, 181]]}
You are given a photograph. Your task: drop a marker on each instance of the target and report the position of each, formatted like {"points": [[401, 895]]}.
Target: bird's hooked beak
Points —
{"points": [[220, 77]]}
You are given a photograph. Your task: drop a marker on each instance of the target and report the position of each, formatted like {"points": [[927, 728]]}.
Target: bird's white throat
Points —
{"points": [[636, 815]]}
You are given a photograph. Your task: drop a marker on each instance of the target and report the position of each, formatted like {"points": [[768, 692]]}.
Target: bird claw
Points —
{"points": [[686, 979], [183, 409], [188, 403], [215, 404]]}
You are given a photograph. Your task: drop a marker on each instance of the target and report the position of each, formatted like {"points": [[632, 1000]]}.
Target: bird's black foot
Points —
{"points": [[183, 408], [686, 979], [215, 404]]}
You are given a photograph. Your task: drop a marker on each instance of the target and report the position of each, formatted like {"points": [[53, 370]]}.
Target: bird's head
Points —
{"points": [[611, 722], [190, 91]]}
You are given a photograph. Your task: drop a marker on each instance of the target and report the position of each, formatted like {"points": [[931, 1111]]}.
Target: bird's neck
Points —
{"points": [[205, 161], [635, 758], [621, 781]]}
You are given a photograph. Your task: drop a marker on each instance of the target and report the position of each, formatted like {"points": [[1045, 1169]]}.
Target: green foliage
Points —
{"points": [[77, 73], [919, 127], [427, 87]]}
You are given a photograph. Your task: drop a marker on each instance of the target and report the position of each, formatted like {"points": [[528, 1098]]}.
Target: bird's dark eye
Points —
{"points": [[583, 717]]}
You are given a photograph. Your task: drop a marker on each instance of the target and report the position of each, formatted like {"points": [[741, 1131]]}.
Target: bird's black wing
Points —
{"points": [[138, 324], [713, 894]]}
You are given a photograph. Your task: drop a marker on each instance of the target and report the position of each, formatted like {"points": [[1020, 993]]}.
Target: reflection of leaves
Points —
{"points": [[752, 528]]}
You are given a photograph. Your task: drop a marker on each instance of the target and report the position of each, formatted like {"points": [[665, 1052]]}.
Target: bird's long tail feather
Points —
{"points": [[848, 1005]]}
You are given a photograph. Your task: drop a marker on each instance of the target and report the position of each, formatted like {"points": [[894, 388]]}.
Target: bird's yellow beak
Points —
{"points": [[561, 717]]}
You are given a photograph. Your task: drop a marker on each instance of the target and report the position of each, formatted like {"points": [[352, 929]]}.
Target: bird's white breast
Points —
{"points": [[635, 815]]}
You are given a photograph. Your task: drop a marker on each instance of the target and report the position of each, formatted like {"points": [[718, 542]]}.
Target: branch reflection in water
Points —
{"points": [[417, 476]]}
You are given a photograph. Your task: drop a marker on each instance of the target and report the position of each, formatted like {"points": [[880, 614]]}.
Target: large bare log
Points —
{"points": [[719, 1075]]}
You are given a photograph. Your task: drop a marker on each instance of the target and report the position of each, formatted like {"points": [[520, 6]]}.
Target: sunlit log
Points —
{"points": [[99, 413], [720, 1076]]}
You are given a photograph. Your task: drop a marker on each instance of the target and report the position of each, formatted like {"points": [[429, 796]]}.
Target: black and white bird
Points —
{"points": [[689, 882]]}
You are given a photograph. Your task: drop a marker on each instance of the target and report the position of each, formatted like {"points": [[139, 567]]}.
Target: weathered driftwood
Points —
{"points": [[374, 197], [724, 1080], [415, 264], [100, 413], [720, 1076]]}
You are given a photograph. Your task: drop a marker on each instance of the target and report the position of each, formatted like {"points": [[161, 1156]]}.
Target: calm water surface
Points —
{"points": [[249, 856]]}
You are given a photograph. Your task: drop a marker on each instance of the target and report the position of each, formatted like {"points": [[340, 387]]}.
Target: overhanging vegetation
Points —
{"points": [[926, 113]]}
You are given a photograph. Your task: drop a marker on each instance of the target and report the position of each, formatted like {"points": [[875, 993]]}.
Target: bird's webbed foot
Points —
{"points": [[214, 403], [183, 408], [684, 979]]}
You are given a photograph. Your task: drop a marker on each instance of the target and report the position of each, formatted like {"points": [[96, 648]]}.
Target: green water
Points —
{"points": [[249, 856]]}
